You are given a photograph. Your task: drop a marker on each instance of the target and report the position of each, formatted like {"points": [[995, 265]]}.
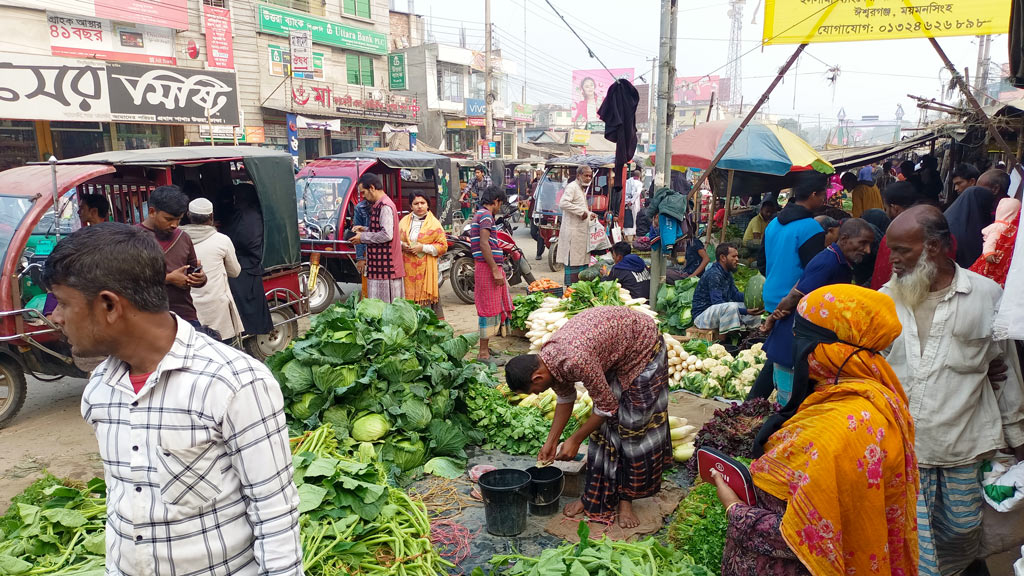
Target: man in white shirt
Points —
{"points": [[191, 432], [634, 195], [943, 359]]}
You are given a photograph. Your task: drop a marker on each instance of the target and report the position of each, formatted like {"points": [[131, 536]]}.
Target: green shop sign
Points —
{"points": [[278, 21], [396, 70]]}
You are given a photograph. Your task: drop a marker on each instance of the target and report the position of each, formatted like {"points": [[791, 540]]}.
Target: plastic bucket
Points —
{"points": [[505, 493], [546, 486]]}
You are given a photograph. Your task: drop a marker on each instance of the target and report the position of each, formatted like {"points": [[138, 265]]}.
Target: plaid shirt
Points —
{"points": [[197, 464]]}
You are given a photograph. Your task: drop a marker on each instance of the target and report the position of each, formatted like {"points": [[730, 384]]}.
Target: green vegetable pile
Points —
{"points": [[699, 527], [509, 428], [743, 275], [387, 374], [591, 294], [55, 528], [674, 305], [524, 304], [351, 521], [598, 558]]}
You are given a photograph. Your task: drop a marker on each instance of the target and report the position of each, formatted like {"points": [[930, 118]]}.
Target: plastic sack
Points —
{"points": [[596, 238], [1003, 485]]}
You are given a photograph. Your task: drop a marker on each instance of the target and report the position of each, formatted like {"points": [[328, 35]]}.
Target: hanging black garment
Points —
{"points": [[618, 112]]}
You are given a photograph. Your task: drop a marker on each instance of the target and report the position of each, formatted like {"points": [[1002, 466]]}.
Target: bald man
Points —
{"points": [[943, 358]]}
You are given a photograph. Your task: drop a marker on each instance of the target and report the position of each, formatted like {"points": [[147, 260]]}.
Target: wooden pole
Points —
{"points": [[728, 205], [711, 217], [969, 96], [746, 120]]}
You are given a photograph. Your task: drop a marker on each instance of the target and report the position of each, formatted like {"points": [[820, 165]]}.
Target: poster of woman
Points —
{"points": [[589, 89]]}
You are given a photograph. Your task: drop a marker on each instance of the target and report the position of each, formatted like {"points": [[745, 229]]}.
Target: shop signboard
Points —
{"points": [[293, 138], [47, 88], [220, 52], [300, 43], [457, 124], [99, 38], [396, 72], [813, 21], [223, 133], [578, 137], [255, 135], [522, 112], [167, 95], [476, 121], [334, 100], [165, 13], [279, 22], [476, 107], [281, 61]]}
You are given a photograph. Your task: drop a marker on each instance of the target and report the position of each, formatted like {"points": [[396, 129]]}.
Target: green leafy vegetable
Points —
{"points": [[370, 428], [524, 304], [590, 295], [699, 527], [674, 305]]}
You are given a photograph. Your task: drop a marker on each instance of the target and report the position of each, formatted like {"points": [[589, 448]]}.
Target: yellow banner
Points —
{"points": [[812, 21]]}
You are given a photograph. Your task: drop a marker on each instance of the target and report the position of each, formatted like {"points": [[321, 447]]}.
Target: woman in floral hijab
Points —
{"points": [[837, 484]]}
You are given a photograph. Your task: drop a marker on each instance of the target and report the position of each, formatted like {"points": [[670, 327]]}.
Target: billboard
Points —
{"points": [[140, 93], [698, 89], [166, 13], [588, 90], [810, 21], [99, 38]]}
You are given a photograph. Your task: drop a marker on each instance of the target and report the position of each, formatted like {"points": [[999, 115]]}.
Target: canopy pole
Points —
{"points": [[746, 120], [728, 205], [962, 84], [711, 218], [666, 112]]}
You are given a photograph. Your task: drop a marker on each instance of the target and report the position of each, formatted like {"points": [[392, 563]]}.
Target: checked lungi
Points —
{"points": [[493, 302], [628, 454]]}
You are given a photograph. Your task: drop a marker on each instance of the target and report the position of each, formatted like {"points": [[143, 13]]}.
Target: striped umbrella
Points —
{"points": [[760, 148]]}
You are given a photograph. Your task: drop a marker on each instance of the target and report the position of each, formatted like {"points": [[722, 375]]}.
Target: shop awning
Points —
{"points": [[172, 155], [394, 158], [845, 158]]}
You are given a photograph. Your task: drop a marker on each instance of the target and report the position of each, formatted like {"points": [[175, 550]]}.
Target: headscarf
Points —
{"points": [[971, 213], [843, 454], [1000, 240], [1007, 213], [877, 218], [421, 269]]}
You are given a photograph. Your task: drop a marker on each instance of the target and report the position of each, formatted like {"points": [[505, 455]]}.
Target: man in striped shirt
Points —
{"points": [[191, 432]]}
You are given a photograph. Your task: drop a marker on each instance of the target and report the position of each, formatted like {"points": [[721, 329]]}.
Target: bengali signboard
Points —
{"points": [[171, 95], [300, 43], [220, 52], [281, 61], [812, 21], [588, 89], [46, 88], [522, 112], [396, 72], [280, 22], [99, 38], [166, 13], [333, 100]]}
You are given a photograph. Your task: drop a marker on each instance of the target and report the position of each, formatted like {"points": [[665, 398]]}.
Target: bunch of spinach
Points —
{"points": [[598, 558], [674, 305], [699, 527], [397, 361], [508, 428], [591, 294], [55, 528], [524, 304], [351, 521]]}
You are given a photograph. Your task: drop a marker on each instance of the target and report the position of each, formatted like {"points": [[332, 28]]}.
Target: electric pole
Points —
{"points": [[981, 71], [666, 114], [652, 100], [488, 100]]}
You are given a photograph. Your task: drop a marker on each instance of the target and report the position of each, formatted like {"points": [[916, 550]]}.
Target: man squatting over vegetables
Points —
{"points": [[620, 357]]}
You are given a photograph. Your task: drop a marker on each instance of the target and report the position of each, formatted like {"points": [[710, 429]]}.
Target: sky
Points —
{"points": [[874, 78]]}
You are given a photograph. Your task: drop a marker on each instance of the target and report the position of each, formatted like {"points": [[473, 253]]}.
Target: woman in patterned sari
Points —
{"points": [[423, 241], [619, 356], [837, 484]]}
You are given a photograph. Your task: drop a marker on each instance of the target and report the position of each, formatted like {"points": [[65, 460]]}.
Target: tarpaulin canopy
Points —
{"points": [[394, 158]]}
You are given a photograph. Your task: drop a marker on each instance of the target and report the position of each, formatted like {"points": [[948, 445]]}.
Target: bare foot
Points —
{"points": [[573, 509], [627, 519]]}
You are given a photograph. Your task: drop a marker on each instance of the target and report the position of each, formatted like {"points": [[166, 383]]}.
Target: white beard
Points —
{"points": [[912, 288]]}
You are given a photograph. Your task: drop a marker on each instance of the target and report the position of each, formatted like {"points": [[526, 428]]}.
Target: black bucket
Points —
{"points": [[505, 493], [545, 489]]}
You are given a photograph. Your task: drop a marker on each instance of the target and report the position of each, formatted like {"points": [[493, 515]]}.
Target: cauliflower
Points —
{"points": [[717, 351], [721, 372], [756, 348], [708, 363], [726, 357], [749, 375]]}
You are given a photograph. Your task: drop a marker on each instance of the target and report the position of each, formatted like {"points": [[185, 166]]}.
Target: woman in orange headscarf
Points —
{"points": [[837, 483], [423, 242]]}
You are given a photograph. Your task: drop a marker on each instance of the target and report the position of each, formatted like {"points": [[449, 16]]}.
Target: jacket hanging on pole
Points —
{"points": [[618, 111]]}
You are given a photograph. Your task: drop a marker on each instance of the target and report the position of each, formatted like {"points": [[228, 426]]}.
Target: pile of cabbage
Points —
{"points": [[389, 378]]}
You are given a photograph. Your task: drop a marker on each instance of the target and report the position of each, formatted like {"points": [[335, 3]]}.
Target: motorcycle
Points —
{"points": [[462, 266]]}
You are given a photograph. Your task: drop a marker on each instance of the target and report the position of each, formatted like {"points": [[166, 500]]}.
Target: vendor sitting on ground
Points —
{"points": [[755, 229], [630, 270], [717, 303], [619, 356]]}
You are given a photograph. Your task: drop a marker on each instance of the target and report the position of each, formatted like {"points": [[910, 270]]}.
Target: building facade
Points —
{"points": [[86, 76]]}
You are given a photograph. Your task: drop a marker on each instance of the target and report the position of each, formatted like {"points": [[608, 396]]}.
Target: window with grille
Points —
{"points": [[358, 8], [360, 69], [315, 7], [449, 82], [216, 3]]}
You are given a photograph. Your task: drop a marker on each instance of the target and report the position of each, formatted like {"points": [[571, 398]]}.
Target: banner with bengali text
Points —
{"points": [[815, 21]]}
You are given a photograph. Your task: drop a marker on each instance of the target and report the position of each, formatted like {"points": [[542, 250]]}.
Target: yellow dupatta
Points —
{"points": [[845, 462], [421, 269]]}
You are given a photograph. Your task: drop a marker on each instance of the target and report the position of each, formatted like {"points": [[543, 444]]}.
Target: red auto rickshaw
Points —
{"points": [[38, 205]]}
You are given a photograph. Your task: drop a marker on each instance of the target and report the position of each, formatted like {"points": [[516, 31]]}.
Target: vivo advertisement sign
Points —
{"points": [[475, 107]]}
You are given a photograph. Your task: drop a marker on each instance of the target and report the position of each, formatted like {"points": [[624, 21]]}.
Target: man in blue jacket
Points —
{"points": [[630, 270], [793, 238]]}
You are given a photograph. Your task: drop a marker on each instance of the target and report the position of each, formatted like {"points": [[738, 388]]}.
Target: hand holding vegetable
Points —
{"points": [[548, 452]]}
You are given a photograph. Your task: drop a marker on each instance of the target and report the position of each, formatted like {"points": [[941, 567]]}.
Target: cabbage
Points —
{"points": [[335, 379], [370, 428], [408, 454], [307, 406], [401, 314], [417, 414], [338, 417], [444, 467], [366, 454], [297, 378], [370, 308]]}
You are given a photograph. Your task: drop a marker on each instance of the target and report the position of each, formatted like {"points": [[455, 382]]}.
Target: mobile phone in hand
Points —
{"points": [[195, 269]]}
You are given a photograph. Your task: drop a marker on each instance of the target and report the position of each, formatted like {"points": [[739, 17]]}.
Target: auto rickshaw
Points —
{"points": [[38, 205], [326, 192], [557, 175]]}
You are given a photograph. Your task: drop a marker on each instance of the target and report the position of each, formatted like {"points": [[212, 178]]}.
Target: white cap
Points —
{"points": [[200, 207]]}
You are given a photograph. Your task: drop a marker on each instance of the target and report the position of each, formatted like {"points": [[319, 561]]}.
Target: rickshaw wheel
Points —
{"points": [[264, 346], [12, 390], [553, 257], [322, 297]]}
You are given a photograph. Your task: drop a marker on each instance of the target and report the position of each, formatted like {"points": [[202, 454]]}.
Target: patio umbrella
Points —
{"points": [[761, 148]]}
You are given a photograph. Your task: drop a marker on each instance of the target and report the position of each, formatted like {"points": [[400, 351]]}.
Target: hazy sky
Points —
{"points": [[874, 76]]}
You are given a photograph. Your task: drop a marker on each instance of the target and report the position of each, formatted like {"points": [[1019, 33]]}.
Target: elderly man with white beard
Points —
{"points": [[965, 403]]}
